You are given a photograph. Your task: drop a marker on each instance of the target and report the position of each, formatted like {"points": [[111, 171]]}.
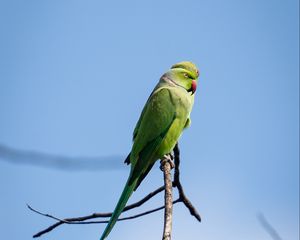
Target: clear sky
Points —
{"points": [[74, 76]]}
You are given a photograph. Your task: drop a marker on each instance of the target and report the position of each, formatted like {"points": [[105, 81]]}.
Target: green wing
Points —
{"points": [[137, 126], [155, 121]]}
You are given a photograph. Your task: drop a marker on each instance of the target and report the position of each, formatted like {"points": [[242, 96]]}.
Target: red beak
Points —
{"points": [[194, 86]]}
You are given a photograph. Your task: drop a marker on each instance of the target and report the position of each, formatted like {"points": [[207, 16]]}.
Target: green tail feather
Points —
{"points": [[128, 189]]}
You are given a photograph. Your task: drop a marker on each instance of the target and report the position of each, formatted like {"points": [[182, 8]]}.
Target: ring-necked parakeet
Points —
{"points": [[165, 115]]}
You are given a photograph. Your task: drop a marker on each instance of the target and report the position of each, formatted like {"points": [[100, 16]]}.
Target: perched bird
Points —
{"points": [[165, 115]]}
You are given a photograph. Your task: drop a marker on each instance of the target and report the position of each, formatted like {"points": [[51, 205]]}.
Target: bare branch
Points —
{"points": [[46, 214], [104, 221], [268, 227], [79, 220], [83, 219], [177, 183], [166, 168], [41, 159]]}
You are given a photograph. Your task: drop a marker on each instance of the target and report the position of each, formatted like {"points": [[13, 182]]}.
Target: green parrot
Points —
{"points": [[165, 115]]}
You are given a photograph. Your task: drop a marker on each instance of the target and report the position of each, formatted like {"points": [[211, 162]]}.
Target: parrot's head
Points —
{"points": [[184, 74]]}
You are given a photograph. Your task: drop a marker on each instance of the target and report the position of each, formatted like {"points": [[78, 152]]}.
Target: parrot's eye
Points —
{"points": [[186, 75]]}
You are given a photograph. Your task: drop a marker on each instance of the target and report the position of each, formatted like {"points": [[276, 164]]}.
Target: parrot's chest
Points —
{"points": [[183, 102]]}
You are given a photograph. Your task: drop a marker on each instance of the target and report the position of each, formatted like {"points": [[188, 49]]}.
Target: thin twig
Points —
{"points": [[268, 227], [104, 221], [177, 183], [166, 168], [61, 162], [46, 214], [94, 215]]}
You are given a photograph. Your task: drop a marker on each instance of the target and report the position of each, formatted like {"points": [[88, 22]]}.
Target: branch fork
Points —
{"points": [[166, 166]]}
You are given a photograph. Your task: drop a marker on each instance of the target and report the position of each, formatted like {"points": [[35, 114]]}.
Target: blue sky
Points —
{"points": [[74, 76]]}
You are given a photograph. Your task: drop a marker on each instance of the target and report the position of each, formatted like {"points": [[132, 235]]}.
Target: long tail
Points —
{"points": [[128, 189]]}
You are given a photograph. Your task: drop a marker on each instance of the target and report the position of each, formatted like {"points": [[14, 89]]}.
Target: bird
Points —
{"points": [[164, 117]]}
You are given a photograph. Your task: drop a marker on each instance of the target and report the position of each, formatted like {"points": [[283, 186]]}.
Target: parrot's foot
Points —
{"points": [[169, 158]]}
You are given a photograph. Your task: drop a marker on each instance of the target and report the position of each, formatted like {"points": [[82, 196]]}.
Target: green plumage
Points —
{"points": [[165, 115]]}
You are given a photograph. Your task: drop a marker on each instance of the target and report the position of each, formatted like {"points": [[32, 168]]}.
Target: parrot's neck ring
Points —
{"points": [[171, 82]]}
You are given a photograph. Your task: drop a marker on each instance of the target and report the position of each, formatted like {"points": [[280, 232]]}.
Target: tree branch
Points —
{"points": [[166, 168], [61, 162], [83, 219], [268, 227], [80, 220], [177, 183]]}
